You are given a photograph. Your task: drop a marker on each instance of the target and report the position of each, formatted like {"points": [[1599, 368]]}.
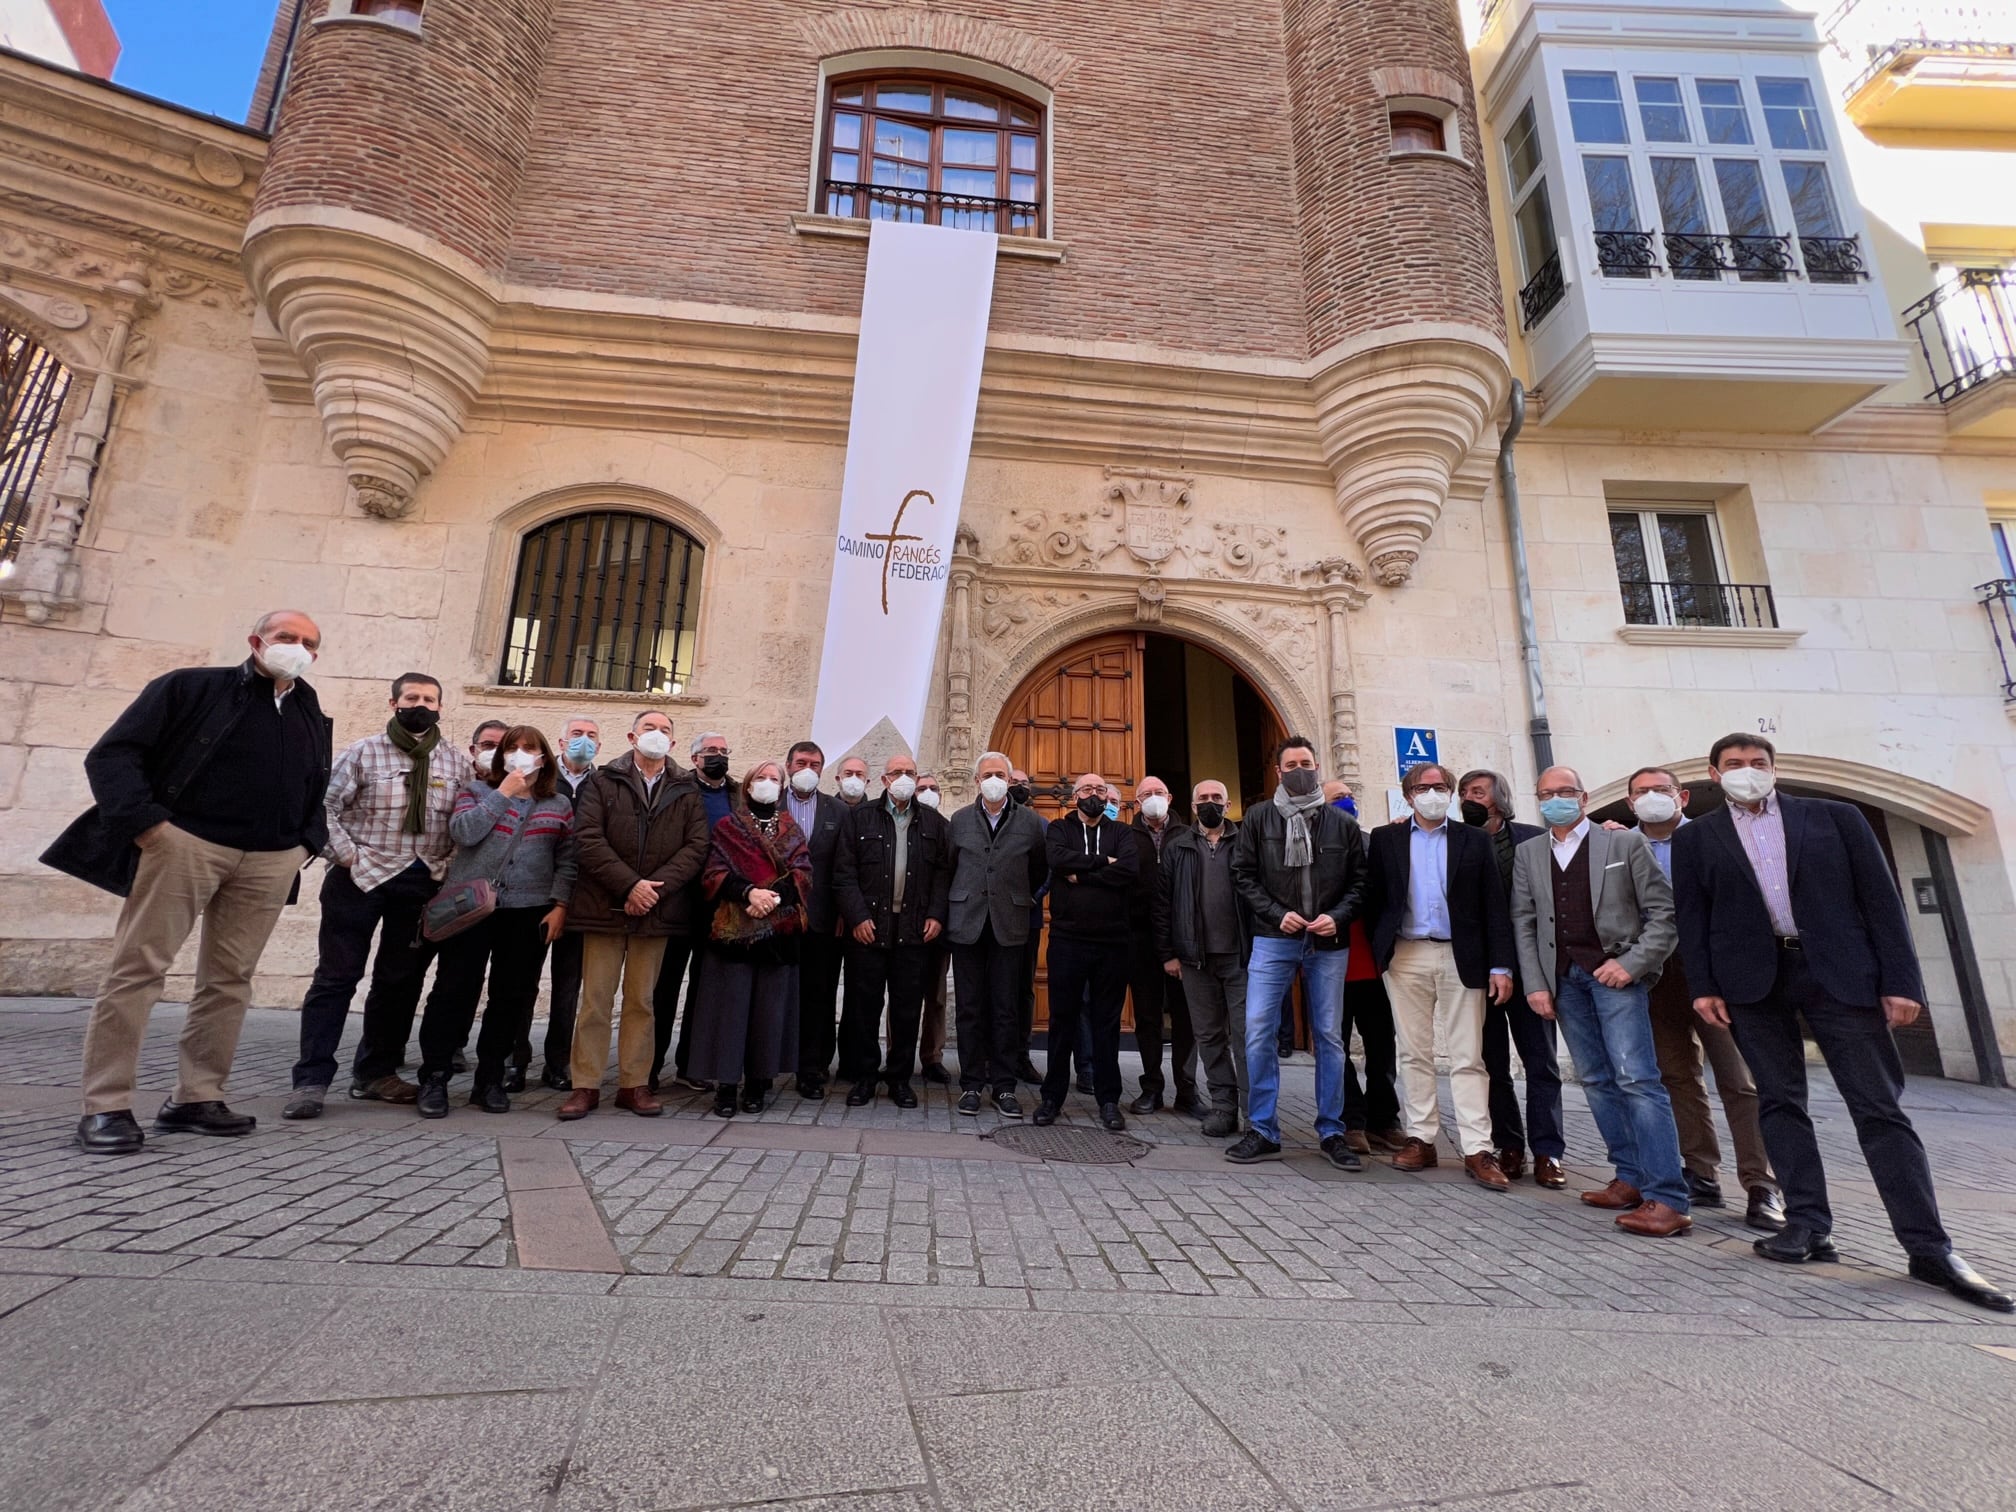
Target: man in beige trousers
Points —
{"points": [[208, 797]]}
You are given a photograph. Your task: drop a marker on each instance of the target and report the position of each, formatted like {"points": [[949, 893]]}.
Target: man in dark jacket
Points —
{"points": [[1095, 873], [891, 883], [1204, 929], [1300, 866], [998, 867], [1441, 930], [818, 816], [1486, 799], [580, 741], [208, 794], [1157, 991], [640, 836], [1787, 910]]}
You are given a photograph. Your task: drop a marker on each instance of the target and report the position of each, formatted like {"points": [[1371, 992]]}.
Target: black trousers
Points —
{"points": [[1032, 958], [876, 974], [1862, 1057], [988, 979], [685, 960], [1507, 1025], [566, 997], [818, 989], [1088, 979], [1159, 1005], [511, 947], [1375, 1106], [350, 918]]}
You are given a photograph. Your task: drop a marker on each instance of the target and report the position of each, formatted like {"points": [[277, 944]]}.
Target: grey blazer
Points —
{"points": [[995, 876], [1634, 905]]}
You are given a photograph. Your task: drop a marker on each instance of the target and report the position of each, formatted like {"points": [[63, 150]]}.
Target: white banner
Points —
{"points": [[916, 385]]}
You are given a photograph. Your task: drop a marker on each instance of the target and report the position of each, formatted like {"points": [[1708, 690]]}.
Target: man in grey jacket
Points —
{"points": [[1592, 914], [998, 863]]}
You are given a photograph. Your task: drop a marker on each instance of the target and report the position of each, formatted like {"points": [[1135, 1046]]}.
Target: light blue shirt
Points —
{"points": [[1427, 916], [1763, 837], [1662, 850]]}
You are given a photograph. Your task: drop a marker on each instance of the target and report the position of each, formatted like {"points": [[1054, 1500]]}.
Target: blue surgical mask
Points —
{"points": [[1561, 811], [581, 749], [1112, 811], [1346, 803]]}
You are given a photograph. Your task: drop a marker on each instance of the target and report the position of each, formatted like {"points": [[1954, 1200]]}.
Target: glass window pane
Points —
{"points": [[902, 175], [912, 97], [1536, 230], [975, 149], [1723, 114], [1611, 201], [1661, 111], [1688, 542], [848, 94], [1522, 148], [1022, 186], [1790, 116], [980, 181], [1022, 154], [962, 105], [847, 131], [1681, 207], [1744, 210], [846, 167], [1627, 545], [898, 140], [2005, 544], [1812, 199], [1595, 108], [1018, 116]]}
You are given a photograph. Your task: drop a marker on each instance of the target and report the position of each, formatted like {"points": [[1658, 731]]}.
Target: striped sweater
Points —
{"points": [[542, 868]]}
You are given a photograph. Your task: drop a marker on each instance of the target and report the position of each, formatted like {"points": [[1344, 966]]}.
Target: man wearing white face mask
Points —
{"points": [[208, 802], [580, 743], [818, 817], [1788, 911], [938, 972], [892, 881], [998, 868], [853, 781], [1157, 991]]}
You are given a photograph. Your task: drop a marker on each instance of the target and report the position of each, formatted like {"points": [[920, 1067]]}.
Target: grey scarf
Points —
{"points": [[1299, 848]]}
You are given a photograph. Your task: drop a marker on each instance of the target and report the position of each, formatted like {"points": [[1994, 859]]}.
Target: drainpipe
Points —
{"points": [[1529, 637]]}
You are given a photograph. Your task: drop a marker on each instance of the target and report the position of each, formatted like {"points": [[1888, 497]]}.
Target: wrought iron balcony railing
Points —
{"points": [[962, 212], [1999, 599], [1725, 606], [1967, 330], [1833, 259], [1544, 290], [1627, 254], [1882, 31], [1761, 259]]}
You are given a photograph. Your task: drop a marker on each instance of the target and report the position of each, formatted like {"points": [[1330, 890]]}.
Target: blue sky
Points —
{"points": [[204, 56]]}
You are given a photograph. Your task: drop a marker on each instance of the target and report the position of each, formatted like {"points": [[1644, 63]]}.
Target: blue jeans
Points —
{"points": [[1275, 961], [1609, 1033]]}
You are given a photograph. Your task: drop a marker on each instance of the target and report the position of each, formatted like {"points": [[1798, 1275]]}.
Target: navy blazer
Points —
{"points": [[1480, 910], [821, 907], [1851, 920]]}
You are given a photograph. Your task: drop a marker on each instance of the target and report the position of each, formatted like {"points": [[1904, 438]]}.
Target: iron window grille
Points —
{"points": [[33, 386], [1544, 290]]}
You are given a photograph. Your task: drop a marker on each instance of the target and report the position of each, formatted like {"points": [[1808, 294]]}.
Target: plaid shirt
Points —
{"points": [[367, 810]]}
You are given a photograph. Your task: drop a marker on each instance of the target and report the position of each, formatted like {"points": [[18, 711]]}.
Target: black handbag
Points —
{"points": [[463, 905]]}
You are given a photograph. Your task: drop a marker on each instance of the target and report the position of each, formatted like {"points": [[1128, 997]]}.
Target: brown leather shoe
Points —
{"points": [[1547, 1172], [639, 1100], [579, 1104], [1415, 1155], [1512, 1163], [1355, 1140], [1619, 1194], [1486, 1172], [390, 1088], [1654, 1220], [1391, 1141]]}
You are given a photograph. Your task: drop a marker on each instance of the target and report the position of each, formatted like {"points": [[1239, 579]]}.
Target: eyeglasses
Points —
{"points": [[1559, 793]]}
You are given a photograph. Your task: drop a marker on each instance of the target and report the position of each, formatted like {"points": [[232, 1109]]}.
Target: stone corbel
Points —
{"points": [[1340, 589], [1397, 416], [394, 335]]}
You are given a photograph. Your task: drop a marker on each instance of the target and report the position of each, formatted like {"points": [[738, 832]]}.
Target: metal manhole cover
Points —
{"points": [[1077, 1146]]}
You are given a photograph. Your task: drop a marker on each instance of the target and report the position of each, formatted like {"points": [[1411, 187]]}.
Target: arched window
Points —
{"points": [[946, 152], [606, 599], [33, 385]]}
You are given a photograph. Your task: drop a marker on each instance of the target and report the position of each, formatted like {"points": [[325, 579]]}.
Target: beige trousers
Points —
{"points": [[237, 897], [1430, 1002], [606, 958]]}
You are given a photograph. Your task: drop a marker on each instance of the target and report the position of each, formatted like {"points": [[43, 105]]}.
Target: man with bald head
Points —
{"points": [[1592, 917], [208, 797], [1095, 875]]}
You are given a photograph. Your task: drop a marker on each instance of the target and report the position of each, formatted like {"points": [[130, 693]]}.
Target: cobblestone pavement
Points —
{"points": [[869, 1309]]}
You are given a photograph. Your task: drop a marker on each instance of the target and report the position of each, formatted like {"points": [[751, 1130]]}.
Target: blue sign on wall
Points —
{"points": [[1412, 746]]}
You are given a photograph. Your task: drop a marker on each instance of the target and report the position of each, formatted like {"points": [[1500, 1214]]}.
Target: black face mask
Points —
{"points": [[1300, 781], [1018, 792], [1093, 807], [1475, 814], [1210, 815], [714, 768], [417, 719]]}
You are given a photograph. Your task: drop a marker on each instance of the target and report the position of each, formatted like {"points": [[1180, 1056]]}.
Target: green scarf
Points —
{"points": [[421, 749]]}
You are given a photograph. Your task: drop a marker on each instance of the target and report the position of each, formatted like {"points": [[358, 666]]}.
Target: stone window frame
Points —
{"points": [[1424, 92], [392, 17], [1739, 557]]}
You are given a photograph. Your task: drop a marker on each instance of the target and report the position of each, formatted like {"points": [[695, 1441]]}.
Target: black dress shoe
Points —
{"points": [[433, 1100], [1961, 1279], [556, 1079], [752, 1096], [1150, 1101], [513, 1079], [812, 1088], [1703, 1191], [1797, 1246], [1046, 1114], [937, 1075], [1005, 1104], [969, 1104], [202, 1118], [1766, 1211], [489, 1096], [1337, 1150], [903, 1094], [1085, 1085], [109, 1133], [861, 1094], [1109, 1115]]}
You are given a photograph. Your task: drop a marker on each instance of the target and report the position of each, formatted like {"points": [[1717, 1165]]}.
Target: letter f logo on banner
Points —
{"points": [[909, 437]]}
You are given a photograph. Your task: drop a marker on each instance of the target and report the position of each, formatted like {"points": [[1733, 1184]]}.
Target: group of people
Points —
{"points": [[791, 923]]}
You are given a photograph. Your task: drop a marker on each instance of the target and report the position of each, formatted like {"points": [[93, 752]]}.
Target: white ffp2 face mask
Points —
{"points": [[804, 782], [853, 787], [1655, 808], [525, 763], [1748, 784], [763, 790], [1431, 805], [1155, 806], [286, 660], [903, 788], [993, 789], [655, 744], [930, 797]]}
